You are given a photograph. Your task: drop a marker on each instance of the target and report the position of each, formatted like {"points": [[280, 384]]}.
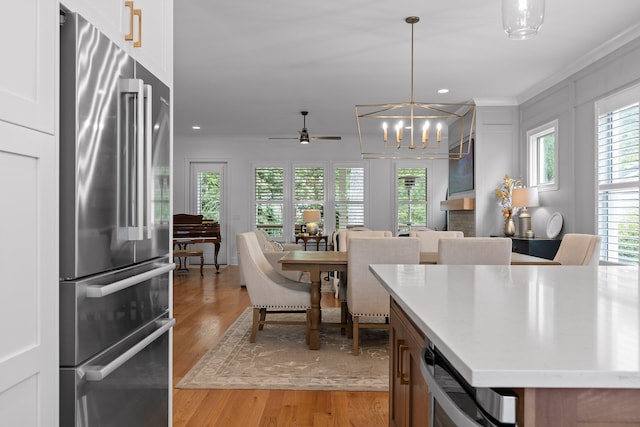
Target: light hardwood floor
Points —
{"points": [[204, 308]]}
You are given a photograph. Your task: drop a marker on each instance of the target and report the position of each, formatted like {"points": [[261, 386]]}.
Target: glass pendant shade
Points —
{"points": [[522, 19]]}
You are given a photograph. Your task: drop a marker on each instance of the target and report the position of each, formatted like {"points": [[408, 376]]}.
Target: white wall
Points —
{"points": [[572, 102], [497, 153], [240, 153]]}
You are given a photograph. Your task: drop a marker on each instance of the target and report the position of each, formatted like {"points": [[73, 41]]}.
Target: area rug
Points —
{"points": [[281, 360]]}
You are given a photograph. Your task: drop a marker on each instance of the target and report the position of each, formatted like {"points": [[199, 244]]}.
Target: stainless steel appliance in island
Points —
{"points": [[115, 260]]}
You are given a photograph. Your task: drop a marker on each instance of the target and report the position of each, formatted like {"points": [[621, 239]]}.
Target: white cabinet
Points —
{"points": [[26, 76], [152, 42], [144, 28], [29, 216]]}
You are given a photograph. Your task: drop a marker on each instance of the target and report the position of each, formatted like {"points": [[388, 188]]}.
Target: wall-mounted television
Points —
{"points": [[461, 170]]}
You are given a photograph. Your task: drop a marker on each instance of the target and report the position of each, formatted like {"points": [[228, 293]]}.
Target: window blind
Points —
{"points": [[617, 179], [269, 199], [308, 190], [349, 197]]}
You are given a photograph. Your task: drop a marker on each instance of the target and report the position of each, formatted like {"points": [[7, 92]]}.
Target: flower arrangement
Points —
{"points": [[505, 191]]}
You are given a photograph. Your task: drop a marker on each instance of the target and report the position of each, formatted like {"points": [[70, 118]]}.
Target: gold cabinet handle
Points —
{"points": [[138, 13], [129, 4]]}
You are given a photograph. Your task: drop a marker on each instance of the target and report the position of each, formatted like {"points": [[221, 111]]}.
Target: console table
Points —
{"points": [[318, 238], [538, 247]]}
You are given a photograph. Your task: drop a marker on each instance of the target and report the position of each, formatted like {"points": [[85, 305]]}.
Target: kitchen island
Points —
{"points": [[566, 339]]}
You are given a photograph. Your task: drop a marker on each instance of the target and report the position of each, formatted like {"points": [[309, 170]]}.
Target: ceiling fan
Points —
{"points": [[304, 134]]}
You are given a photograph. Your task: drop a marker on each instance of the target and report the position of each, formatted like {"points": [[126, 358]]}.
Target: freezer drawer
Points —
{"points": [[127, 385], [99, 311]]}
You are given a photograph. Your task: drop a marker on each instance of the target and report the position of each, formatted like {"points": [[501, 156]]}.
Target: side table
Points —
{"points": [[318, 238], [537, 247]]}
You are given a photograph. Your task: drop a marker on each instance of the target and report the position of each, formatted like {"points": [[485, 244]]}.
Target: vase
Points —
{"points": [[509, 226]]}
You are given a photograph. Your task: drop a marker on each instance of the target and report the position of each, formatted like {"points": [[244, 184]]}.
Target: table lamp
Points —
{"points": [[311, 218], [523, 198]]}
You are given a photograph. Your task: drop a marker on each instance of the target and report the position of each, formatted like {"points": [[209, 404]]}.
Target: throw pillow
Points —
{"points": [[273, 246]]}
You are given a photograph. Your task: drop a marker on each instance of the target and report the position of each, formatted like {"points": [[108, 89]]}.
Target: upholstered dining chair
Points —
{"points": [[429, 238], [579, 249], [342, 243], [345, 235], [475, 251], [273, 251], [269, 291], [365, 295]]}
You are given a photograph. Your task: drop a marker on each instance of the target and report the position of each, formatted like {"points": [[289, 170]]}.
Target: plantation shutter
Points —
{"points": [[349, 199], [308, 190], [269, 199], [411, 193], [617, 178]]}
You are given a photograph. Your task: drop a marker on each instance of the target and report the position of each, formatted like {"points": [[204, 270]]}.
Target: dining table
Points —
{"points": [[318, 262], [315, 262]]}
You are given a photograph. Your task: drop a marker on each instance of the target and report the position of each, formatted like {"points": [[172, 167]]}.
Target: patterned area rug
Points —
{"points": [[280, 359]]}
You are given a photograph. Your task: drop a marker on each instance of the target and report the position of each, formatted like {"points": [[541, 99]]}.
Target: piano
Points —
{"points": [[191, 229]]}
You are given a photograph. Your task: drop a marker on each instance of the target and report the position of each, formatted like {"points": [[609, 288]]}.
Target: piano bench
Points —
{"points": [[186, 253]]}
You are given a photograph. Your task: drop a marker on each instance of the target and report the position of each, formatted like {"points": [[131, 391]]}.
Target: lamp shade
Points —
{"points": [[525, 197], [311, 215]]}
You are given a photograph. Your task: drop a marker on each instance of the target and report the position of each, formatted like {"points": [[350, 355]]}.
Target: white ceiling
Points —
{"points": [[247, 68]]}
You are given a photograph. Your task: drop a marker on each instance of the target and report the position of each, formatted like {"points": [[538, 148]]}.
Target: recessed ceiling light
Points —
{"points": [[195, 127], [443, 90]]}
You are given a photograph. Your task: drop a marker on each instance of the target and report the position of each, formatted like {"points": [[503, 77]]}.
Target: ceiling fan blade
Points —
{"points": [[296, 138], [333, 138]]}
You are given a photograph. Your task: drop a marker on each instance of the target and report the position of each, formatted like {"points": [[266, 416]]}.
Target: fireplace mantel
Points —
{"points": [[463, 204]]}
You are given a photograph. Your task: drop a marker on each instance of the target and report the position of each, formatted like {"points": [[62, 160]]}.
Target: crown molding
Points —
{"points": [[591, 57], [496, 102]]}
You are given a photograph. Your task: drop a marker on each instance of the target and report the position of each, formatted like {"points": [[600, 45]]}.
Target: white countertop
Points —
{"points": [[526, 326]]}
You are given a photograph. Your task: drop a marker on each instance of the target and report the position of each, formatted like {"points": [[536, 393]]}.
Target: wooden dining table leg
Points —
{"points": [[315, 314]]}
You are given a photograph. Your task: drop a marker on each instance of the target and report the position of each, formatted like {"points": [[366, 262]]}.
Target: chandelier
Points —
{"points": [[415, 130]]}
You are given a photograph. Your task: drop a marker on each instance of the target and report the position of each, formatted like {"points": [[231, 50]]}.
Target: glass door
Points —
{"points": [[207, 199]]}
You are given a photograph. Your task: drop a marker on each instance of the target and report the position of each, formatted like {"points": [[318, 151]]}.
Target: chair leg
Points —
{"points": [[201, 265], [344, 313], [254, 327], [349, 326], [355, 324], [308, 332], [263, 315]]}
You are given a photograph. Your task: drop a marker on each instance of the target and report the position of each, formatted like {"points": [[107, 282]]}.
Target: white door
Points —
{"points": [[29, 215], [207, 199]]}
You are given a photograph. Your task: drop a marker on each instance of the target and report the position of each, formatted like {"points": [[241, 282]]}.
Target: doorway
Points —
{"points": [[206, 191]]}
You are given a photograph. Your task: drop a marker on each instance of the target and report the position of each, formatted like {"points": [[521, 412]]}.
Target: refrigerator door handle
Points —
{"points": [[130, 201], [96, 291], [148, 144], [99, 373]]}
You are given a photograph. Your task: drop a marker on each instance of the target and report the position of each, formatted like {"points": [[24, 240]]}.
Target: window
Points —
{"points": [[617, 176], [269, 199], [349, 197], [308, 191], [284, 191], [543, 157], [208, 196], [411, 193], [206, 190]]}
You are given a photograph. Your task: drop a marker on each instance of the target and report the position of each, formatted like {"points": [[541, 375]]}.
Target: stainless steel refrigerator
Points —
{"points": [[115, 263]]}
